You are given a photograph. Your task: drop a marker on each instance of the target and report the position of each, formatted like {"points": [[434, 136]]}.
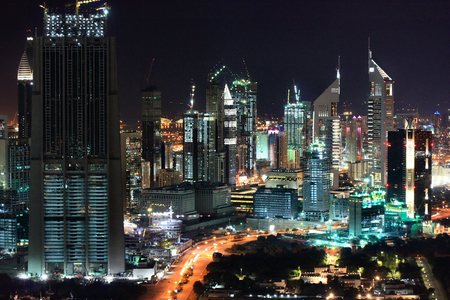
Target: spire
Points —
{"points": [[226, 93], [289, 96], [24, 73], [368, 48], [192, 97], [338, 74]]}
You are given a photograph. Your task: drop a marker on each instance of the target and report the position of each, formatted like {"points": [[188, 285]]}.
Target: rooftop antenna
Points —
{"points": [[289, 96], [147, 80], [338, 74], [246, 69], [192, 96], [296, 92]]}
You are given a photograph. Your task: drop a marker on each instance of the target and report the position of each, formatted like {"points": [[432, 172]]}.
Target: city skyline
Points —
{"points": [[297, 41]]}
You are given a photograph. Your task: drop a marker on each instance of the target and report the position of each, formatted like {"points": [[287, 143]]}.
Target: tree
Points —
{"points": [[199, 287]]}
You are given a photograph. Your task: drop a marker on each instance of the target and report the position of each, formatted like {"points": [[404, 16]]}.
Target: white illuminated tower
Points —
{"points": [[327, 126], [380, 119], [230, 138]]}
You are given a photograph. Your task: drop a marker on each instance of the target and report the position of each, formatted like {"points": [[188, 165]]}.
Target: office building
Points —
{"points": [[212, 199], [152, 145], [276, 203], [366, 213], [380, 119], [230, 138], [243, 199], [409, 169], [285, 178], [25, 90], [316, 186], [4, 179], [353, 150], [194, 164], [326, 122], [296, 129], [168, 177], [76, 221], [131, 164], [243, 92], [8, 221], [179, 198]]}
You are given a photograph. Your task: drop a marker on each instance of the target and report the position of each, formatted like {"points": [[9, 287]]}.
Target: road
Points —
{"points": [[431, 281], [199, 257], [441, 213]]}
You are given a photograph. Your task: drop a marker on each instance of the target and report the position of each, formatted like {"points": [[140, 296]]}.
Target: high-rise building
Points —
{"points": [[25, 90], [353, 150], [409, 169], [380, 119], [326, 126], [366, 213], [316, 186], [152, 145], [193, 144], [276, 203], [244, 94], [296, 129], [230, 137], [8, 221], [76, 220], [131, 163], [4, 178]]}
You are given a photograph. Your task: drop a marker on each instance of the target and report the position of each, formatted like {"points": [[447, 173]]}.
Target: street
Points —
{"points": [[199, 257], [429, 279]]}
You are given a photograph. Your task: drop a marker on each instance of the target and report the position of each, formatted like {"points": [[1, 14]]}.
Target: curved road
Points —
{"points": [[199, 256]]}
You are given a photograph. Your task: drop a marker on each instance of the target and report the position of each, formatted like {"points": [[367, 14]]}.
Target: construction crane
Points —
{"points": [[147, 80], [78, 3]]}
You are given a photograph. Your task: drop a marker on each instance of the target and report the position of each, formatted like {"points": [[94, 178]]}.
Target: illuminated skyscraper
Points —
{"points": [[353, 150], [76, 221], [25, 90], [194, 161], [380, 119], [326, 124], [316, 184], [152, 145], [131, 163], [230, 137], [296, 129], [409, 169], [244, 94]]}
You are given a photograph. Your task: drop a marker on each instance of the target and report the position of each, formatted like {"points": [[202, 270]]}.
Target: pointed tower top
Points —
{"points": [[288, 96], [338, 74], [24, 73], [226, 93]]}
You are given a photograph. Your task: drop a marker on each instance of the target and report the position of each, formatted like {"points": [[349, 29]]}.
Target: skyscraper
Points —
{"points": [[230, 137], [152, 145], [131, 164], [409, 169], [76, 221], [326, 125], [244, 94], [380, 119], [193, 144], [296, 129], [316, 184]]}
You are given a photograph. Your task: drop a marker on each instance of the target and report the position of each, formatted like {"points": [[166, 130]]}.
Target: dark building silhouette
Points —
{"points": [[76, 221]]}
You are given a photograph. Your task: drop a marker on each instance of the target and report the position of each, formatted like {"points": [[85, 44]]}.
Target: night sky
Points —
{"points": [[281, 41]]}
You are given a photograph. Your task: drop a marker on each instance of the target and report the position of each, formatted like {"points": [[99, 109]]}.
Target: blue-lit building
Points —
{"points": [[8, 222], [76, 217], [316, 184], [275, 203]]}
